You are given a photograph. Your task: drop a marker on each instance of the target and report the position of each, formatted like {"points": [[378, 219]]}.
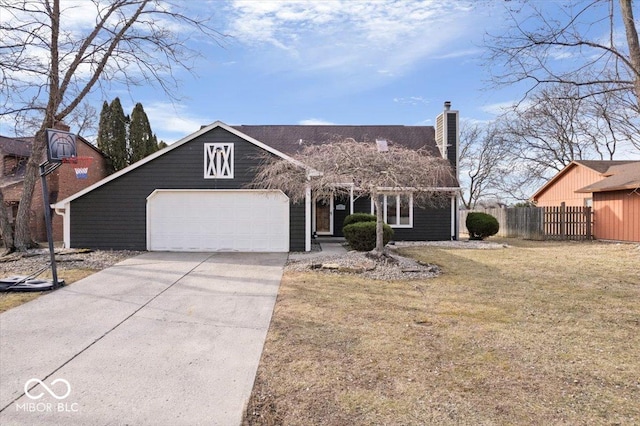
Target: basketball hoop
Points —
{"points": [[80, 165]]}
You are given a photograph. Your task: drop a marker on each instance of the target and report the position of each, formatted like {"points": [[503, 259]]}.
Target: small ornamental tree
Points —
{"points": [[337, 166]]}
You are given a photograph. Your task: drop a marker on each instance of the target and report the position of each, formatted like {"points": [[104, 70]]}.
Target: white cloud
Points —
{"points": [[351, 37], [314, 122], [171, 122], [411, 100], [498, 108]]}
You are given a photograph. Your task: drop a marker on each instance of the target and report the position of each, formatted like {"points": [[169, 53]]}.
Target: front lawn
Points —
{"points": [[536, 333]]}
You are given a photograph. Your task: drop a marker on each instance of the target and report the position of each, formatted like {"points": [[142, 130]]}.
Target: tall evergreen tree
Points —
{"points": [[141, 140], [104, 131], [125, 140], [118, 132]]}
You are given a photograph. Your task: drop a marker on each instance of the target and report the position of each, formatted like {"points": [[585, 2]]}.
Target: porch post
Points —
{"points": [[307, 219], [454, 234], [351, 199]]}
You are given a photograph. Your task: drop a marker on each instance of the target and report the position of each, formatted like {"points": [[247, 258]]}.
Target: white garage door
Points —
{"points": [[217, 220]]}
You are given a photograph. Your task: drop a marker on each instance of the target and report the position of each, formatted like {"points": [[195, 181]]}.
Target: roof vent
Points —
{"points": [[447, 105], [382, 145]]}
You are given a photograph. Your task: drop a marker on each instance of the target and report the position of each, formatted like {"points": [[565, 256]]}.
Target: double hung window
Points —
{"points": [[397, 210]]}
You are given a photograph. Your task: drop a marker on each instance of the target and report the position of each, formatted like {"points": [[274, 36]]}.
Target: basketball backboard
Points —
{"points": [[60, 145]]}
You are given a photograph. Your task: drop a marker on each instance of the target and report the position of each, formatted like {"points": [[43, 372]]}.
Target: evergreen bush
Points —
{"points": [[358, 217], [361, 236], [481, 225]]}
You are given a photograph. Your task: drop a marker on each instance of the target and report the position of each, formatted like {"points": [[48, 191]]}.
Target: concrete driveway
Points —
{"points": [[159, 339]]}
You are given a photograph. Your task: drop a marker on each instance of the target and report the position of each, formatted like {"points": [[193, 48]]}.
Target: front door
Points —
{"points": [[323, 217]]}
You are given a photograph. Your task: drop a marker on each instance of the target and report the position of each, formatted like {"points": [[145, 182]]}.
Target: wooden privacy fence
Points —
{"points": [[568, 223], [540, 223]]}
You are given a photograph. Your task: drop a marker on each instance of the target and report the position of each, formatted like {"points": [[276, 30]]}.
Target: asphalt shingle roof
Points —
{"points": [[15, 146], [617, 177], [601, 166], [289, 139]]}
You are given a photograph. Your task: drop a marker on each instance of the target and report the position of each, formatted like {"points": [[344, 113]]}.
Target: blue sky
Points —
{"points": [[332, 62], [321, 62]]}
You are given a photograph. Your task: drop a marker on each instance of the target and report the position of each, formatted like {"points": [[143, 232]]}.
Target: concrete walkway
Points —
{"points": [[329, 247], [159, 339]]}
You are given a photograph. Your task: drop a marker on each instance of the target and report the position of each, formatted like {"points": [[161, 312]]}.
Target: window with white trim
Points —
{"points": [[218, 161], [397, 210]]}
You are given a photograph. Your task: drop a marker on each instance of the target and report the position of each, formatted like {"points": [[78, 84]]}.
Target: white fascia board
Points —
{"points": [[413, 189]]}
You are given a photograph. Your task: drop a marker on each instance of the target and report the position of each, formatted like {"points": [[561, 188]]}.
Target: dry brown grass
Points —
{"points": [[11, 300], [538, 333]]}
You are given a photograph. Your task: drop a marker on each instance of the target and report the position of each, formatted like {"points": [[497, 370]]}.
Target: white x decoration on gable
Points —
{"points": [[218, 161]]}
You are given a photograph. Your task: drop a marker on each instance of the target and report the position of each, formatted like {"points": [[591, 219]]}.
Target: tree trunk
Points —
{"points": [[6, 233], [626, 9], [23, 239], [379, 222]]}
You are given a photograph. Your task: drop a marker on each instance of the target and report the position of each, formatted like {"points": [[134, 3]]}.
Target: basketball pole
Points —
{"points": [[45, 169]]}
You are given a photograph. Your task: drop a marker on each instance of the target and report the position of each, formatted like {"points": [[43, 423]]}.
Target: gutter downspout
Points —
{"points": [[65, 212]]}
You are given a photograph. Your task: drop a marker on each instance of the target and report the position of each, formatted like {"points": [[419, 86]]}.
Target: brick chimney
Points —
{"points": [[59, 125]]}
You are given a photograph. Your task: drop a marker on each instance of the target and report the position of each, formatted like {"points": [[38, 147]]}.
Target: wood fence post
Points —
{"points": [[563, 221], [587, 216]]}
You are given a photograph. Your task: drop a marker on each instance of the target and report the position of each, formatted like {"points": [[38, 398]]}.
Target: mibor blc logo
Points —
{"points": [[59, 389], [51, 392]]}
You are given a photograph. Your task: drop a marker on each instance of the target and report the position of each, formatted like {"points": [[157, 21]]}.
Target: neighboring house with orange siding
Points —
{"points": [[612, 188], [616, 203], [563, 186]]}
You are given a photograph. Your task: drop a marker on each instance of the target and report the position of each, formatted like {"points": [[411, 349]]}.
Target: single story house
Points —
{"points": [[194, 196], [616, 203], [562, 188], [62, 183], [611, 188]]}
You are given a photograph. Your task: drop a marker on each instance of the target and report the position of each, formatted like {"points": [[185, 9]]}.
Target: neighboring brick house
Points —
{"points": [[62, 183]]}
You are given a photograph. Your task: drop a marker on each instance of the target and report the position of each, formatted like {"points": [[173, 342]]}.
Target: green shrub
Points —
{"points": [[358, 217], [481, 225], [361, 236]]}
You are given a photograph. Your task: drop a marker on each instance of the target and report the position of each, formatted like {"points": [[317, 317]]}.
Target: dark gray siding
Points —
{"points": [[296, 227], [452, 137], [429, 224], [339, 215], [113, 216], [452, 154]]}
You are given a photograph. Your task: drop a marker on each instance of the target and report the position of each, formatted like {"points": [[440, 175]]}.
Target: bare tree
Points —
{"points": [[484, 154], [336, 167], [575, 43], [6, 231], [558, 126], [49, 63], [84, 120], [547, 132], [555, 127]]}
